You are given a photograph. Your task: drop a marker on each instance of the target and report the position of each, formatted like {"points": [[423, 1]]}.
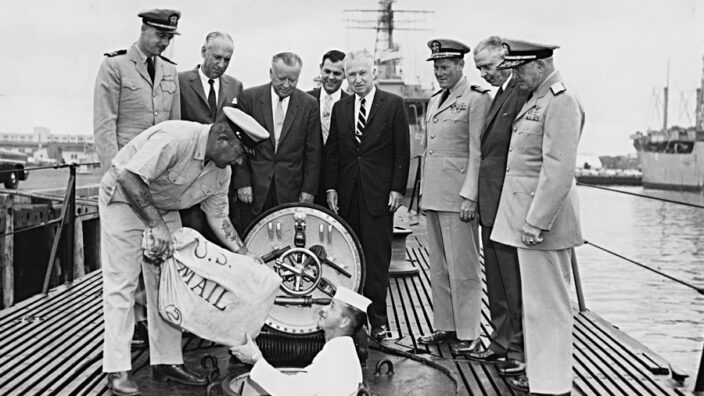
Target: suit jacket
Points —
{"points": [[295, 165], [194, 101], [496, 138], [382, 161], [451, 157], [321, 195], [539, 186], [126, 102]]}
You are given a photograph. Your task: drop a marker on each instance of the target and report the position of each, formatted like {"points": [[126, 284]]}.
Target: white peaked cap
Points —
{"points": [[253, 131], [352, 299]]}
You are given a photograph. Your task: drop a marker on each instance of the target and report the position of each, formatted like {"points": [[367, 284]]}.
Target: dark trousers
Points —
{"points": [[375, 234], [247, 214], [503, 279], [195, 218]]}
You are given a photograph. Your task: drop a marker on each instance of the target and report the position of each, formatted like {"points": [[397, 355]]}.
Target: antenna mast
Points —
{"points": [[385, 20], [665, 104]]}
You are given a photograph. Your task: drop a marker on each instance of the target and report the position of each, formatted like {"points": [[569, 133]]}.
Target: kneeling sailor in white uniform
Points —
{"points": [[335, 371]]}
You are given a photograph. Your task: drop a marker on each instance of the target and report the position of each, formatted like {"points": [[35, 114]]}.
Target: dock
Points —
{"points": [[52, 345]]}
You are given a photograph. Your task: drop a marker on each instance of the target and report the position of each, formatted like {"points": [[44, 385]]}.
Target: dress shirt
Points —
{"points": [[206, 86], [367, 104], [508, 80], [337, 95], [275, 102], [335, 371]]}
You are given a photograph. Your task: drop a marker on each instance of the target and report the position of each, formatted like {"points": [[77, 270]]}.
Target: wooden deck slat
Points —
{"points": [[52, 303], [39, 358], [61, 354]]}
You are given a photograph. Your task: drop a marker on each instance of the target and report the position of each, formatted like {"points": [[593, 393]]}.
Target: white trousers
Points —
{"points": [[455, 274], [547, 319], [120, 252]]}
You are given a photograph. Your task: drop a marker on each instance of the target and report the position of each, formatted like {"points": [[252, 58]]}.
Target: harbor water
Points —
{"points": [[664, 315]]}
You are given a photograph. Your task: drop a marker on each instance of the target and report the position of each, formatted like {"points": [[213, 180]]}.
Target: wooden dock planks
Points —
{"points": [[52, 345]]}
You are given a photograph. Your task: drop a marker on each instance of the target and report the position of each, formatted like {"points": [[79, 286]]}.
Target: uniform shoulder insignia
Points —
{"points": [[479, 89], [115, 53], [436, 93], [558, 88], [167, 59]]}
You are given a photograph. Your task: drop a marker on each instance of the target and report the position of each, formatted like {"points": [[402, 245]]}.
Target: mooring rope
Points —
{"points": [[699, 290], [642, 195]]}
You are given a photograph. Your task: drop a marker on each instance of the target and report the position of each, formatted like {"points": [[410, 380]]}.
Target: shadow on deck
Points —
{"points": [[53, 345]]}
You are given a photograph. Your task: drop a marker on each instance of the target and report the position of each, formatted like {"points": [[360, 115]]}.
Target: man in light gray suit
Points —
{"points": [[205, 90], [449, 196]]}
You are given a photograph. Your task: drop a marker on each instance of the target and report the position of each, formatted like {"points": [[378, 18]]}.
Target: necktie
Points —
{"points": [[150, 68], [445, 94], [212, 101], [361, 121], [327, 112], [278, 122], [498, 95]]}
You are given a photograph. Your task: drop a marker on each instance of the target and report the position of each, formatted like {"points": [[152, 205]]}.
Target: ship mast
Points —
{"points": [[385, 20], [700, 104], [666, 99]]}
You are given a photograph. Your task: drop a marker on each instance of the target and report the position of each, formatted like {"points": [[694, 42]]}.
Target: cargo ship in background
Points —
{"points": [[673, 157]]}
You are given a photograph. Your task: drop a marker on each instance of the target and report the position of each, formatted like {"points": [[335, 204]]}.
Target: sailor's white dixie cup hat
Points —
{"points": [[247, 129], [352, 299]]}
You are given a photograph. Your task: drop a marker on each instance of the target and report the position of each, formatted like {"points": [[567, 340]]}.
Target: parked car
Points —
{"points": [[12, 166]]}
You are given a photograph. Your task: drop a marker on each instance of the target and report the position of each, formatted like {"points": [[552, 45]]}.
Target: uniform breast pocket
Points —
{"points": [[531, 128], [131, 88], [176, 178], [168, 86]]}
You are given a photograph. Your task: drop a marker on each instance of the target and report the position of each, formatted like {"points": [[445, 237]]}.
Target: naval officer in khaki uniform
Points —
{"points": [[136, 88], [539, 213], [454, 123], [168, 167]]}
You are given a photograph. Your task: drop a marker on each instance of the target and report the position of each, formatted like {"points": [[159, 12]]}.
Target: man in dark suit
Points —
{"points": [[332, 74], [367, 170], [500, 261], [285, 167], [204, 91]]}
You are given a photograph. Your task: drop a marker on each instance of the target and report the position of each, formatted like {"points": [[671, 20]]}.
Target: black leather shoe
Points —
{"points": [[437, 337], [177, 373], [511, 368], [464, 347], [519, 383], [380, 332], [121, 385], [487, 356], [140, 338]]}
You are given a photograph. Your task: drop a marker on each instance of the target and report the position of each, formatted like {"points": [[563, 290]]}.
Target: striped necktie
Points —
{"points": [[361, 122]]}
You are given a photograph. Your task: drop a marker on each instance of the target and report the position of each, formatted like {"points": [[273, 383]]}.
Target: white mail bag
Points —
{"points": [[215, 293]]}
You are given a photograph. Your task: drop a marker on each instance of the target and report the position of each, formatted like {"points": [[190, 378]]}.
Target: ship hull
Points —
{"points": [[673, 171]]}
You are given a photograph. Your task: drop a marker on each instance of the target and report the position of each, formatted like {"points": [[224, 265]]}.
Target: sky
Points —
{"points": [[614, 54]]}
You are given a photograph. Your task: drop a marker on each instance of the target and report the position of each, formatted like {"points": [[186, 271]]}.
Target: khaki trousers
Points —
{"points": [[547, 319], [120, 252], [455, 273]]}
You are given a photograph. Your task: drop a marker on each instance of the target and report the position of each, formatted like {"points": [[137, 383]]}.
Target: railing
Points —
{"points": [[699, 384], [65, 232]]}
